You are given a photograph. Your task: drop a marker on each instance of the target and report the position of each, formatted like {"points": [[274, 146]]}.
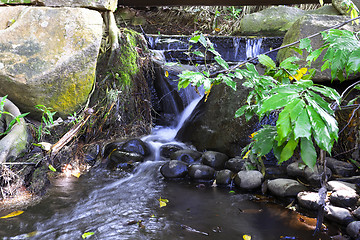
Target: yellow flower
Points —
{"points": [[299, 75]]}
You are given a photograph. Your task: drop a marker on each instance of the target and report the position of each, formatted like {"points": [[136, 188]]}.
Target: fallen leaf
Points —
{"points": [[166, 74], [246, 237], [13, 214], [76, 174], [163, 202], [51, 167], [87, 234]]}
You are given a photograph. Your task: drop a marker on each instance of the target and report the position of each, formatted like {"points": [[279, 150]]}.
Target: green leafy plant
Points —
{"points": [[47, 120], [15, 119]]}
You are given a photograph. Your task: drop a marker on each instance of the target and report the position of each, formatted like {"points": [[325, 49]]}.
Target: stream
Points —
{"points": [[125, 205]]}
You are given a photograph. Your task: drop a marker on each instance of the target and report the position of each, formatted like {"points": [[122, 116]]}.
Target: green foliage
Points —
{"points": [[305, 116], [14, 119], [47, 120]]}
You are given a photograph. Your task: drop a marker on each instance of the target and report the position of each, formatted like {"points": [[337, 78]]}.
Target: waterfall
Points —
{"points": [[253, 46]]}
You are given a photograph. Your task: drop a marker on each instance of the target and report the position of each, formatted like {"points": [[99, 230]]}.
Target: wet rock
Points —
{"points": [[338, 214], [136, 146], [186, 155], [339, 185], [306, 26], [168, 149], [344, 198], [296, 169], [308, 200], [283, 187], [273, 21], [110, 147], [235, 164], [313, 175], [95, 4], [275, 172], [353, 229], [340, 168], [249, 179], [201, 172], [51, 58], [341, 6], [214, 159], [224, 177], [15, 142], [174, 169], [356, 213], [123, 159]]}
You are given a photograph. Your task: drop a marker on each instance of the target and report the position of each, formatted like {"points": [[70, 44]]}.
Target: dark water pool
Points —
{"points": [[111, 203]]}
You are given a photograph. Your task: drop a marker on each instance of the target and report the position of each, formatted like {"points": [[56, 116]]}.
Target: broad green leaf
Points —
{"points": [[87, 234], [283, 126], [325, 66], [277, 101], [314, 55], [266, 61], [305, 43], [241, 111], [354, 61], [198, 53], [298, 50], [288, 150], [308, 152], [195, 39], [13, 214], [302, 126], [203, 41], [221, 62], [296, 109], [330, 122], [288, 63], [321, 133], [228, 81], [327, 92], [264, 140]]}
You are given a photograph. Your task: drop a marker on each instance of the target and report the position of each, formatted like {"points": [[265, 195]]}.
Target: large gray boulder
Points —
{"points": [[48, 56], [304, 27], [95, 4], [15, 142], [212, 125], [276, 20]]}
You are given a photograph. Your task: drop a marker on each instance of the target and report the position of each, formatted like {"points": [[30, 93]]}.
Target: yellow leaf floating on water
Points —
{"points": [[87, 234], [76, 174], [246, 237], [13, 214], [163, 202], [32, 234], [166, 74]]}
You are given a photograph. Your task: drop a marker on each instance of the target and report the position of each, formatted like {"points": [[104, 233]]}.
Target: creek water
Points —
{"points": [[125, 205]]}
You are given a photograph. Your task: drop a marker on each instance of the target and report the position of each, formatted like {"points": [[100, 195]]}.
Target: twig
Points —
{"points": [[18, 163], [281, 47]]}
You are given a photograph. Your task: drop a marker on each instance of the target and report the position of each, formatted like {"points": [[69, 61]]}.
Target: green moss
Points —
{"points": [[127, 64]]}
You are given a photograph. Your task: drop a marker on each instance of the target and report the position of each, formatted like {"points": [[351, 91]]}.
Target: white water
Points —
{"points": [[253, 46], [166, 135]]}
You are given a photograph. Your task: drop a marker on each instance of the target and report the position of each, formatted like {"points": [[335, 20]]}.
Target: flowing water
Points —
{"points": [[123, 205]]}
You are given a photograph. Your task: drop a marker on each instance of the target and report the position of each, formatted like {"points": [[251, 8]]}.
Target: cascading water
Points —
{"points": [[253, 47]]}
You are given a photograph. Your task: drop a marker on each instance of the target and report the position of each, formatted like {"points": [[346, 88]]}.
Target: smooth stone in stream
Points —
{"points": [[344, 198], [214, 159], [340, 168], [249, 180], [313, 175], [353, 229], [186, 155], [168, 149], [295, 169], [283, 187], [201, 172], [224, 177], [308, 200], [338, 214], [136, 146], [235, 164], [174, 169]]}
